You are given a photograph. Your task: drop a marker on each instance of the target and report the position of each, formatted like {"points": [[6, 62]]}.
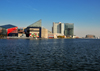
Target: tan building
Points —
{"points": [[90, 36], [44, 33]]}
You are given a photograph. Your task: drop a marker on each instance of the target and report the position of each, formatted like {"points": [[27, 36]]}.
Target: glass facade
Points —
{"points": [[69, 29]]}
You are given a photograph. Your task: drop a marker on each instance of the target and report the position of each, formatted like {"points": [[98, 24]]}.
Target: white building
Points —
{"points": [[58, 28]]}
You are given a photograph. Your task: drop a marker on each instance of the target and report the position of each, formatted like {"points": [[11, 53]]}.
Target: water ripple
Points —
{"points": [[50, 55]]}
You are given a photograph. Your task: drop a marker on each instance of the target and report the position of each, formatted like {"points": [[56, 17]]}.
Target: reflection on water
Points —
{"points": [[51, 54]]}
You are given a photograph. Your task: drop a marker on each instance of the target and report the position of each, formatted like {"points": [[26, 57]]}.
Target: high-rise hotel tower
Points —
{"points": [[58, 28]]}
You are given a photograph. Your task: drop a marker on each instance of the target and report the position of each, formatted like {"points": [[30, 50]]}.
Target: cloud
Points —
{"points": [[30, 7]]}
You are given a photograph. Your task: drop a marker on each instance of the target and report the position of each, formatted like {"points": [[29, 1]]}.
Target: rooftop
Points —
{"points": [[8, 26]]}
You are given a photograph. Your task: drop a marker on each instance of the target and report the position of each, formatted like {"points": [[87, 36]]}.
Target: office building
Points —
{"points": [[58, 28], [69, 29]]}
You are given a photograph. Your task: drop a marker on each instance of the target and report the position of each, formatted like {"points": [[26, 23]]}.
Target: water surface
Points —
{"points": [[50, 55]]}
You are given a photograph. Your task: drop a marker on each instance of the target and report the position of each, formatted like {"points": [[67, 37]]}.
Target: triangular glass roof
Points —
{"points": [[36, 24]]}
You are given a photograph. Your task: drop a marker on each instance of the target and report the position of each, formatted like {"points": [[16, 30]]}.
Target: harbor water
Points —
{"points": [[50, 55]]}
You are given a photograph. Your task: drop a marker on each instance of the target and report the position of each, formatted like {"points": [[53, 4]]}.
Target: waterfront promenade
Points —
{"points": [[41, 38]]}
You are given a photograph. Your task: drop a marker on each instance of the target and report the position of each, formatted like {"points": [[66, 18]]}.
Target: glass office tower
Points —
{"points": [[69, 29]]}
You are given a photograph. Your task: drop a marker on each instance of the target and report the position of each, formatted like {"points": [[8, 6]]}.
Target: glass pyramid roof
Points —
{"points": [[36, 24]]}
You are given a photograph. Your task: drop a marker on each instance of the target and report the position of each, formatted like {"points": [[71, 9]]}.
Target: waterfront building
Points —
{"points": [[9, 30], [44, 33], [34, 30], [58, 28], [0, 30], [74, 36], [69, 29], [50, 35], [90, 36], [21, 32]]}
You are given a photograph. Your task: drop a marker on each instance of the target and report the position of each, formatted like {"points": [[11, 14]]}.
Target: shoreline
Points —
{"points": [[40, 38]]}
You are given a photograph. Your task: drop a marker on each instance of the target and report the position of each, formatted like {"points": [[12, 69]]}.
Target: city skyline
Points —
{"points": [[83, 13]]}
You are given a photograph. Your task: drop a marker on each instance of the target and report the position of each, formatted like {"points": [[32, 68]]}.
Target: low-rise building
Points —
{"points": [[21, 32], [9, 30], [90, 36], [44, 33], [75, 36], [50, 35]]}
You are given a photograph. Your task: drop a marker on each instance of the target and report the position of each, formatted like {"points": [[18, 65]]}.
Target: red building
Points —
{"points": [[9, 30]]}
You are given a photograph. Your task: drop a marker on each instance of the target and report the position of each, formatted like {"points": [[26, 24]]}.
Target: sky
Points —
{"points": [[85, 14]]}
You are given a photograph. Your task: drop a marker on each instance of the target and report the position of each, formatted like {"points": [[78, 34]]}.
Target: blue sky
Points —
{"points": [[85, 14]]}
